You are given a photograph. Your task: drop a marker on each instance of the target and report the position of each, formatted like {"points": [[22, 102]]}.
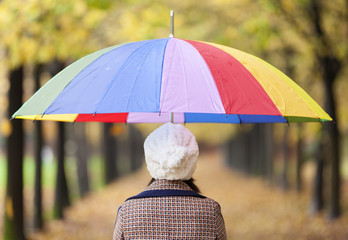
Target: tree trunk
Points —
{"points": [[285, 182], [14, 222], [82, 158], [228, 149], [132, 148], [262, 149], [331, 69], [62, 195], [254, 150], [38, 142], [110, 150], [139, 148], [248, 147], [269, 152], [317, 198], [300, 159], [135, 148], [330, 66], [335, 209], [235, 152]]}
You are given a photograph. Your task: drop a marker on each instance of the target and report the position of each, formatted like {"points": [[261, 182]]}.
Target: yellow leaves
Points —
{"points": [[288, 5], [141, 21], [80, 8], [9, 208], [5, 16], [45, 52], [93, 18], [65, 23], [117, 129], [6, 127], [130, 26], [28, 48], [39, 30]]}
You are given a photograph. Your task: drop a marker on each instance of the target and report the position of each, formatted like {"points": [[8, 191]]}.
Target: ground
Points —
{"points": [[252, 209]]}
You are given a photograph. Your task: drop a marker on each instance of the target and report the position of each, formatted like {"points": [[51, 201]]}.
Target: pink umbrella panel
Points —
{"points": [[171, 79]]}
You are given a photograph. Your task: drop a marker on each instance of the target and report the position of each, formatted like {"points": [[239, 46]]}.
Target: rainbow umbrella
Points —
{"points": [[175, 80]]}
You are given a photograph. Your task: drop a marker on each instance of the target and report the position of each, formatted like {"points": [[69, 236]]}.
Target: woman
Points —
{"points": [[170, 207]]}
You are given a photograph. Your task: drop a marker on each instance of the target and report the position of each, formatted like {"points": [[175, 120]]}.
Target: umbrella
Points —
{"points": [[171, 79]]}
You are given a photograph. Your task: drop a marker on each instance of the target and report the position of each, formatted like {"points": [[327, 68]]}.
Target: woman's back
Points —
{"points": [[170, 217]]}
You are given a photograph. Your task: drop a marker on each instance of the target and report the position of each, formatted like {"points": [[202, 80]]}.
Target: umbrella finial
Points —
{"points": [[171, 23]]}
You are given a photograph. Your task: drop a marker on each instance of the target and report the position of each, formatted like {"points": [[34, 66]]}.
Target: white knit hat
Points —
{"points": [[171, 152]]}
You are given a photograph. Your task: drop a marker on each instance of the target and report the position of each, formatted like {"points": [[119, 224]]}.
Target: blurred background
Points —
{"points": [[273, 181]]}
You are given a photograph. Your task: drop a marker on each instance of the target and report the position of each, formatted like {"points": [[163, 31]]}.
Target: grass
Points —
{"points": [[3, 174], [49, 173]]}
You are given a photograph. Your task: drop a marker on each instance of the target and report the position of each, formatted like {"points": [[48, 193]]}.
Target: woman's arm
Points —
{"points": [[118, 230], [219, 223]]}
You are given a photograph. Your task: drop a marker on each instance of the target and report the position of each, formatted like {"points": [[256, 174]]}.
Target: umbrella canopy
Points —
{"points": [[171, 79]]}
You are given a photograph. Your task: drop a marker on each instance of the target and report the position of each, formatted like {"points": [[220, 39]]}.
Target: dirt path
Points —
{"points": [[251, 209]]}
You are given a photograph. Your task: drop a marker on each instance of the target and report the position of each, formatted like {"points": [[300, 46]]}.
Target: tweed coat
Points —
{"points": [[169, 217]]}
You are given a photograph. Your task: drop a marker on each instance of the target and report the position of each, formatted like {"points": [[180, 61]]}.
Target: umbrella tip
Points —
{"points": [[171, 23]]}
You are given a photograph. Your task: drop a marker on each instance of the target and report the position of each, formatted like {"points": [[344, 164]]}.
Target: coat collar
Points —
{"points": [[168, 184]]}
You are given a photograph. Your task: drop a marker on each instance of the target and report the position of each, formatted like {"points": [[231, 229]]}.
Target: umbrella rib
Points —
{"points": [[240, 120], [161, 79]]}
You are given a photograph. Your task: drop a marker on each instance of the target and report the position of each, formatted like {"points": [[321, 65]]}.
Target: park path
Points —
{"points": [[251, 208]]}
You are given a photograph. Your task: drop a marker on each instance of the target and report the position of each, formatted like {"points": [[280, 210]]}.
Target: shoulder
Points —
{"points": [[211, 201], [133, 204], [126, 204], [213, 204], [123, 206]]}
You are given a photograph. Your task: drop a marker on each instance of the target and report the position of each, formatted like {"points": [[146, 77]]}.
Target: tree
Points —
{"points": [[82, 158], [269, 152], [285, 150], [136, 152], [317, 203], [331, 65], [326, 48], [14, 219], [299, 157], [110, 156], [38, 143], [61, 200]]}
